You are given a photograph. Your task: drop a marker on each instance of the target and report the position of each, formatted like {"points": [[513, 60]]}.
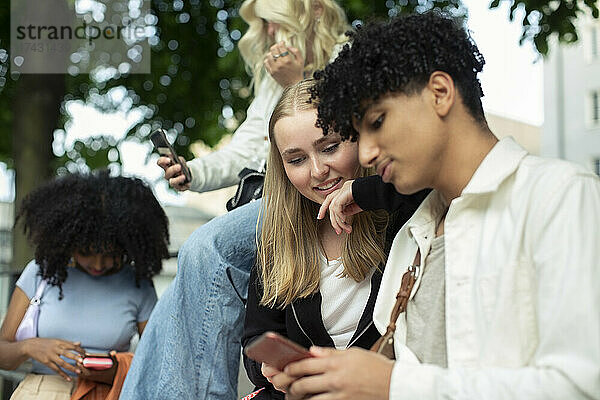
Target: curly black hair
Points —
{"points": [[398, 55], [96, 213]]}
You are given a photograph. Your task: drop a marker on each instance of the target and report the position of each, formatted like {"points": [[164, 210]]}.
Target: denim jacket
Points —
{"points": [[522, 284]]}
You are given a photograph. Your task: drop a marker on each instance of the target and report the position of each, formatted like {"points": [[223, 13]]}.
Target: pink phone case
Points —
{"points": [[275, 350], [97, 363]]}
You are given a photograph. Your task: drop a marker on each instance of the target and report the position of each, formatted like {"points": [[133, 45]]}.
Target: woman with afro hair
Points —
{"points": [[98, 241]]}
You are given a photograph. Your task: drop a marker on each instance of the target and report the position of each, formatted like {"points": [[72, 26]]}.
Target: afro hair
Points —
{"points": [[396, 56], [97, 213]]}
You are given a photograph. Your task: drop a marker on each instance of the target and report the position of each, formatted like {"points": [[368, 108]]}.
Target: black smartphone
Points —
{"points": [[276, 350], [164, 148]]}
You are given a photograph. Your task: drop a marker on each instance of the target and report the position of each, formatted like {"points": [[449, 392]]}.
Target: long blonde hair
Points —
{"points": [[297, 23], [288, 249]]}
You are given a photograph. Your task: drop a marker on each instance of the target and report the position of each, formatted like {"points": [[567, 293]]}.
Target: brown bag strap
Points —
{"points": [[385, 344], [408, 282]]}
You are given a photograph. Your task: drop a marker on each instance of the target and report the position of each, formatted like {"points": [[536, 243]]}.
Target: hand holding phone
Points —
{"points": [[98, 361], [275, 350], [164, 148]]}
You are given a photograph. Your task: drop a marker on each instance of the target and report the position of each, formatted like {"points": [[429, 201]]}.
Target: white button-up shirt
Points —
{"points": [[522, 284]]}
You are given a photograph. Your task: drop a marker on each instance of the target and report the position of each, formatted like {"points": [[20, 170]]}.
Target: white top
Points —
{"points": [[342, 301], [101, 312], [248, 147], [522, 284]]}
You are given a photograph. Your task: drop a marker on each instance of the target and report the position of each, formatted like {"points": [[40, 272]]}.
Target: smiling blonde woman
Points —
{"points": [[311, 285], [191, 346]]}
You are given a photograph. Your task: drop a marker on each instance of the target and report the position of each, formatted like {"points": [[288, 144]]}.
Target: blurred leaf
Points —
{"points": [[197, 71], [543, 19]]}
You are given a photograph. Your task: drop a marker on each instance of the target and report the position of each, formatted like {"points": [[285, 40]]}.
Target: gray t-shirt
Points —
{"points": [[100, 312], [426, 311]]}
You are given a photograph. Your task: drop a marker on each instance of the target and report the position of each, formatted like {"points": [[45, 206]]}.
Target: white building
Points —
{"points": [[572, 98], [527, 135]]}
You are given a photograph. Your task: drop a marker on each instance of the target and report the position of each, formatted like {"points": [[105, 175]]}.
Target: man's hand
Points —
{"points": [[341, 208], [285, 64], [340, 374], [173, 173]]}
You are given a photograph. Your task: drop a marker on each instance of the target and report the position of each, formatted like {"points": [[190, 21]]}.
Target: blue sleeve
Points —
{"points": [[29, 279], [147, 302]]}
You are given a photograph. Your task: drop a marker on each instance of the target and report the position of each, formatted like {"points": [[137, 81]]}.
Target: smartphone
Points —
{"points": [[164, 148], [273, 349], [98, 361]]}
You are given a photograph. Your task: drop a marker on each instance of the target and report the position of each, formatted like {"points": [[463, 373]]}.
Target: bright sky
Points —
{"points": [[512, 78], [512, 83]]}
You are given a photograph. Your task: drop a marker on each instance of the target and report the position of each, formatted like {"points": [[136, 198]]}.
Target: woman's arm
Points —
{"points": [[364, 194], [46, 351], [12, 354], [372, 193], [259, 319], [248, 145]]}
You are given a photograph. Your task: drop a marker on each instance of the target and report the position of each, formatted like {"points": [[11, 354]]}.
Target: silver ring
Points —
{"points": [[285, 53], [276, 56]]}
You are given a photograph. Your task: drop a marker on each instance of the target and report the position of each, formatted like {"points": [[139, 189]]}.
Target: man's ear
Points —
{"points": [[443, 92]]}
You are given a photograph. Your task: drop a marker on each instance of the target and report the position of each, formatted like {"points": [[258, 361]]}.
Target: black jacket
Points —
{"points": [[301, 321]]}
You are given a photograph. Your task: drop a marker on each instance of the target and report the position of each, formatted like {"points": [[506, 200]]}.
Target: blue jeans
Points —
{"points": [[190, 348]]}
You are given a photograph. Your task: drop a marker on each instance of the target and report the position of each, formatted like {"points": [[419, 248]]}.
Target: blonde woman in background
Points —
{"points": [[307, 34], [191, 345], [286, 41], [311, 284]]}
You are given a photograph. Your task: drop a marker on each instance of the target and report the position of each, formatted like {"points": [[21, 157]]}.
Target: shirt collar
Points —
{"points": [[501, 162], [498, 164]]}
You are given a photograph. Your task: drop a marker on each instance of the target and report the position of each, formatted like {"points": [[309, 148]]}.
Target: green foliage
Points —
{"points": [[545, 18], [205, 71], [197, 72]]}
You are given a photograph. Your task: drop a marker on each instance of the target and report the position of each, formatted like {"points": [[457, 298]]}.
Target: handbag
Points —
{"points": [[29, 324], [249, 189], [385, 344]]}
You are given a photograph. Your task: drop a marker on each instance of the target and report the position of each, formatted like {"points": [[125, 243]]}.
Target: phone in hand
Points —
{"points": [[273, 349], [98, 361], [164, 148]]}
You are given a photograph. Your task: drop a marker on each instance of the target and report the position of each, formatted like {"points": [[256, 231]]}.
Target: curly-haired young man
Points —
{"points": [[506, 300]]}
